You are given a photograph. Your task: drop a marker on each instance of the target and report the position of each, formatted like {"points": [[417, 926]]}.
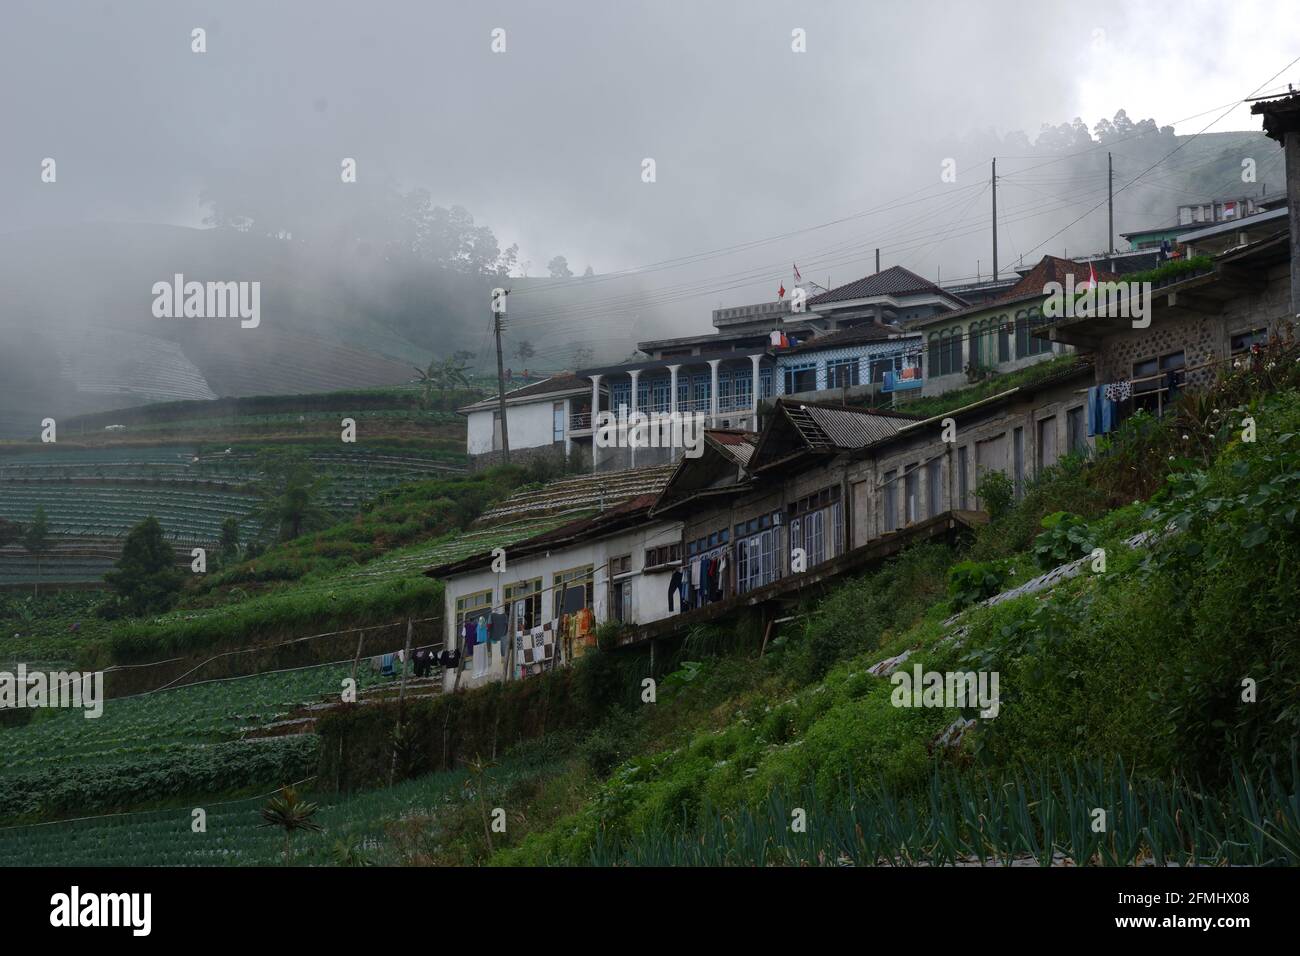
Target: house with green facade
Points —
{"points": [[963, 346]]}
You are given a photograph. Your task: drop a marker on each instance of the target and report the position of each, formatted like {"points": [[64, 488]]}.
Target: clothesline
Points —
{"points": [[1160, 375]]}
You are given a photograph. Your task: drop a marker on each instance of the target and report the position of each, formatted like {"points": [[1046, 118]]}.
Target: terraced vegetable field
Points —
{"points": [[92, 496], [164, 722], [366, 822]]}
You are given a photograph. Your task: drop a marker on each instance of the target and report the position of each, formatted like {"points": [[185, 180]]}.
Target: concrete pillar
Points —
{"points": [[635, 375], [672, 388], [713, 392], [595, 412], [756, 359], [1291, 146]]}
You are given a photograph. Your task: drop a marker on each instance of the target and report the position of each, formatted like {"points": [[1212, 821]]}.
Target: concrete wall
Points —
{"points": [[650, 590], [530, 426], [775, 495], [989, 445], [554, 454], [1198, 336]]}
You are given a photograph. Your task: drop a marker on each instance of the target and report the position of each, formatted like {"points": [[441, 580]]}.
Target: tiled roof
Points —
{"points": [[855, 335], [892, 281], [1049, 269], [556, 383], [1052, 269]]}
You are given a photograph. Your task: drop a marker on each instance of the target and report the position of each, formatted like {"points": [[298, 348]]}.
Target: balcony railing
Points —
{"points": [[581, 421]]}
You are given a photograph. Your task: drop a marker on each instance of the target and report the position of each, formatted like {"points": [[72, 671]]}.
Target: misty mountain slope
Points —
{"points": [[78, 334]]}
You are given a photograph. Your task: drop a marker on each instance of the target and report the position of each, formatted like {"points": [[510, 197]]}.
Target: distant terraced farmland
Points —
{"points": [[93, 496]]}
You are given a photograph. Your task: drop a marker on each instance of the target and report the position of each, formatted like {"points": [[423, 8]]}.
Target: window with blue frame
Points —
{"points": [[683, 390], [700, 392], [725, 390], [659, 390], [643, 395], [744, 386], [841, 373], [765, 383], [620, 393], [800, 378], [881, 364]]}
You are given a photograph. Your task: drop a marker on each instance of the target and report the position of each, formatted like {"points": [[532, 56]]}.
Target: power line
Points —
{"points": [[1170, 153]]}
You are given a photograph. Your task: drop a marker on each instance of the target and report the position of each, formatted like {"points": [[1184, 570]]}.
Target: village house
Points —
{"points": [[539, 419], [1198, 321], [824, 484], [617, 565], [996, 337]]}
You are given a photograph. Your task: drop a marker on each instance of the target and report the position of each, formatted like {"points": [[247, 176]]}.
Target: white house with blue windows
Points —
{"points": [[855, 361]]}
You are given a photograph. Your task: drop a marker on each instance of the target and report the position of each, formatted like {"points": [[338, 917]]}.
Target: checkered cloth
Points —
{"points": [[1118, 391], [536, 646]]}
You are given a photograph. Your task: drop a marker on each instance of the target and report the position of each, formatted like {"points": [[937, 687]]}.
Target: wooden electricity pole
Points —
{"points": [[501, 378], [1110, 204], [995, 219]]}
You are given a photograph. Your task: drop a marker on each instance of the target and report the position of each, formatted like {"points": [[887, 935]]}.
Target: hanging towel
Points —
{"points": [[481, 632], [674, 587]]}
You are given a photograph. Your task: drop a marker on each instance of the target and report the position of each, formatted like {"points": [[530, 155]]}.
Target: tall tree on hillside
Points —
{"points": [[146, 580], [290, 491], [443, 375], [36, 539], [559, 268], [229, 541], [524, 351]]}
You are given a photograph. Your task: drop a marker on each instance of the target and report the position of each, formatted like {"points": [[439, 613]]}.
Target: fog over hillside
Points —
{"points": [[476, 168]]}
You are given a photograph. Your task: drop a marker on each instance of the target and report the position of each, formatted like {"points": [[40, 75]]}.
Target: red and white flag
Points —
{"points": [[797, 276], [780, 293], [1092, 278]]}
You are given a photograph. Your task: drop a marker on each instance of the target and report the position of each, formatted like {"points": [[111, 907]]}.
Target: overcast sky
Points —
{"points": [[544, 142]]}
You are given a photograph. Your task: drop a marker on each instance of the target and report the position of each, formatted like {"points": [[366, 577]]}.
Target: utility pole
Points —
{"points": [[498, 310], [995, 219], [877, 259], [1110, 203]]}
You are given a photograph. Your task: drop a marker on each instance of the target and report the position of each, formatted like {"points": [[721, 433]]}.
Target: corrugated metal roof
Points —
{"points": [[738, 446], [843, 428]]}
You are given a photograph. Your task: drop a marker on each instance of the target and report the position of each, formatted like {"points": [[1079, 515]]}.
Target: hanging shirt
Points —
{"points": [[470, 634]]}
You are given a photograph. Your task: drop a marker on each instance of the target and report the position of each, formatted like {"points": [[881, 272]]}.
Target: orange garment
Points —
{"points": [[586, 626]]}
